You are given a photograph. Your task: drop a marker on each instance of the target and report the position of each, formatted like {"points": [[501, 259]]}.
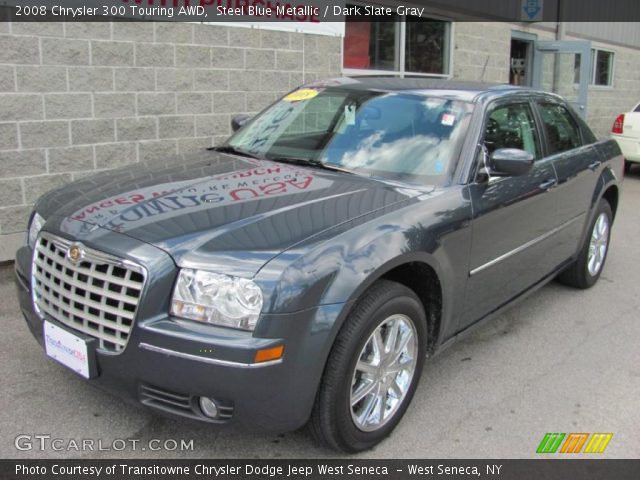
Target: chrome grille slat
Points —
{"points": [[83, 299], [73, 311], [98, 295], [101, 291]]}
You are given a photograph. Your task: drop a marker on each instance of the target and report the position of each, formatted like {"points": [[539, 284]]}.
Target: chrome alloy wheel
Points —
{"points": [[383, 373], [598, 244]]}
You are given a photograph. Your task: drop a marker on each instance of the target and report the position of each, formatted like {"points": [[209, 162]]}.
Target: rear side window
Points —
{"points": [[562, 131], [637, 109]]}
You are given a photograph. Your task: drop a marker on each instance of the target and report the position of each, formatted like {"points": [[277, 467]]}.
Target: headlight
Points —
{"points": [[217, 299], [37, 223]]}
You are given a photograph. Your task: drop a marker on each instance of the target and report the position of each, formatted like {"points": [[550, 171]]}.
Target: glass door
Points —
{"points": [[564, 67]]}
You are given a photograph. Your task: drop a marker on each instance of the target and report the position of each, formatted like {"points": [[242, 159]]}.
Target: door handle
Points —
{"points": [[594, 166], [548, 185]]}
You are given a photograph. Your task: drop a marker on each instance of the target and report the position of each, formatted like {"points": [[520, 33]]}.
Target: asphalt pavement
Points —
{"points": [[563, 360]]}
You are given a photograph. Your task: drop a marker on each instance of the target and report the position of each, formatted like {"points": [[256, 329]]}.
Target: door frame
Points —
{"points": [[531, 39], [582, 47]]}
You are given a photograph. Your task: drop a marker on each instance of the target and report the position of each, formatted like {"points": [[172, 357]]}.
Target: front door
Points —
{"points": [[564, 67], [512, 216]]}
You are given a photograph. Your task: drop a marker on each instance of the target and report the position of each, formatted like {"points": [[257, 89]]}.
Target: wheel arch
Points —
{"points": [[418, 273], [611, 194]]}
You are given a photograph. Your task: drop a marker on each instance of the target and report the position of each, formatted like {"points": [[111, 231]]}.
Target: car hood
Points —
{"points": [[218, 210]]}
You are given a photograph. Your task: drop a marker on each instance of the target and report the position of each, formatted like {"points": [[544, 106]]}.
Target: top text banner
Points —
{"points": [[309, 16], [317, 16]]}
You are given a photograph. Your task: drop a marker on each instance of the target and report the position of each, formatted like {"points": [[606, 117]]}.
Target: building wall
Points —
{"points": [[78, 98], [478, 43]]}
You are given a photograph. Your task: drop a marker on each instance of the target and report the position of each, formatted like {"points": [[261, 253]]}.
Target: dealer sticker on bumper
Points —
{"points": [[66, 348]]}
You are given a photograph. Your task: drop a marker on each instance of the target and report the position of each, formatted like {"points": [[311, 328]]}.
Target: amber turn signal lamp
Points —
{"points": [[273, 353]]}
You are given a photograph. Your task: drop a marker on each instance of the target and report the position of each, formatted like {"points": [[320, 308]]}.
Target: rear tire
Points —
{"points": [[627, 166], [585, 271], [370, 377]]}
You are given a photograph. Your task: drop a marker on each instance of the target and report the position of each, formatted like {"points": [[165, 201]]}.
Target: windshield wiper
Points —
{"points": [[307, 162], [234, 150]]}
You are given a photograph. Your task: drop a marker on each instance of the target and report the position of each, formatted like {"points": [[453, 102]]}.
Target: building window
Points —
{"points": [[602, 65], [397, 44]]}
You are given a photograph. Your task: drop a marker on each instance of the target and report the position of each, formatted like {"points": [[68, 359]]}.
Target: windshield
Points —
{"points": [[401, 136]]}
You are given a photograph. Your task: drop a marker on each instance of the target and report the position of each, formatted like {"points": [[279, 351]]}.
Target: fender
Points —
{"points": [[610, 176], [340, 270]]}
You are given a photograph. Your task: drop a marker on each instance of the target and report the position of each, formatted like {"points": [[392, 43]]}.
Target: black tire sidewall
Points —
{"points": [[408, 305]]}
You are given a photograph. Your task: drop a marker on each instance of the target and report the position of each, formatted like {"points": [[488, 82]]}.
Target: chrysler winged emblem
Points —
{"points": [[75, 253]]}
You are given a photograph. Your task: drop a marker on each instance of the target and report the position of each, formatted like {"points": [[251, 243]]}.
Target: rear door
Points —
{"points": [[512, 216], [577, 164]]}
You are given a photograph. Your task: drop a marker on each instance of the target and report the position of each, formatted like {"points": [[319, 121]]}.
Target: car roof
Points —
{"points": [[460, 90]]}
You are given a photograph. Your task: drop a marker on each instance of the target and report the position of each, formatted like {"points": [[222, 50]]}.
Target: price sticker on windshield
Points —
{"points": [[448, 120], [301, 95]]}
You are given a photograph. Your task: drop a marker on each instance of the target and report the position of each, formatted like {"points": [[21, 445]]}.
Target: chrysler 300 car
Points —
{"points": [[303, 271]]}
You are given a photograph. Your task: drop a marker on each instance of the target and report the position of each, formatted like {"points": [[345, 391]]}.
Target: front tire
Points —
{"points": [[373, 369], [627, 166], [586, 270]]}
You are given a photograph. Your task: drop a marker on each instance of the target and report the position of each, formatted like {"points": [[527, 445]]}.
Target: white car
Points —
{"points": [[626, 131]]}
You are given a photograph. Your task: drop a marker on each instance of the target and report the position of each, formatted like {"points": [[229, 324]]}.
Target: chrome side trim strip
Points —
{"points": [[522, 248], [212, 361]]}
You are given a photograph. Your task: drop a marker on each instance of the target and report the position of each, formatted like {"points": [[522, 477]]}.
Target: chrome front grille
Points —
{"points": [[96, 294]]}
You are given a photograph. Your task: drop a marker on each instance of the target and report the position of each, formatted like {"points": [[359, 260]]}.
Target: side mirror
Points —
{"points": [[510, 162], [238, 122]]}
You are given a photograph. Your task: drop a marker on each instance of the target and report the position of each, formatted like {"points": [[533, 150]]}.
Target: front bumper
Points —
{"points": [[169, 363]]}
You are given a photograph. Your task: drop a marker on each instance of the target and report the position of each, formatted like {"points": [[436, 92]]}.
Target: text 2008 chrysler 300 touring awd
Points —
{"points": [[303, 271]]}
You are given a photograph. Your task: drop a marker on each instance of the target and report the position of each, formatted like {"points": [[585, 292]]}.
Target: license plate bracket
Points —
{"points": [[75, 351]]}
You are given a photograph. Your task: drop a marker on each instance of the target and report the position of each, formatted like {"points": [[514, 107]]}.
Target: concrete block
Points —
{"points": [[112, 53], [64, 105], [8, 137], [113, 155], [11, 193], [41, 79], [223, 57], [135, 79], [172, 79], [109, 105], [14, 219], [20, 50], [155, 55], [92, 131], [176, 126], [90, 79], [44, 134], [64, 51], [156, 103], [139, 128], [71, 159], [193, 56], [193, 102], [22, 163], [93, 30]]}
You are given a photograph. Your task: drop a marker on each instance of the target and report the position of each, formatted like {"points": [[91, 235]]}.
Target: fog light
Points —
{"points": [[208, 407]]}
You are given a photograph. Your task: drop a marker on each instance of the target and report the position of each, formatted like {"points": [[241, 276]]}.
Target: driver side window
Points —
{"points": [[512, 126]]}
